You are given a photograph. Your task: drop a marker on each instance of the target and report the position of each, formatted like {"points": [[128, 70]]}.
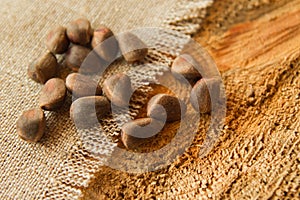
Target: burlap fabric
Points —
{"points": [[59, 167]]}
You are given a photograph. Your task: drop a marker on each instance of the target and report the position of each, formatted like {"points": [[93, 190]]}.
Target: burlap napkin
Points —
{"points": [[58, 167]]}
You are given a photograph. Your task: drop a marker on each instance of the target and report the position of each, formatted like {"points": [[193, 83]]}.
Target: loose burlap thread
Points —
{"points": [[59, 167]]}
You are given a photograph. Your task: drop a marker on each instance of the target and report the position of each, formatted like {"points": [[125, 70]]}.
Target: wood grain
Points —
{"points": [[262, 42], [258, 153]]}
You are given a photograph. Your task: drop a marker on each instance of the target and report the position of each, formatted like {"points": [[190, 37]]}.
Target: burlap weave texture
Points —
{"points": [[35, 171]]}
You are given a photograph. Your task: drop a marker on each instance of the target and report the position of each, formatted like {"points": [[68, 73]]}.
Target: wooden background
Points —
{"points": [[257, 49]]}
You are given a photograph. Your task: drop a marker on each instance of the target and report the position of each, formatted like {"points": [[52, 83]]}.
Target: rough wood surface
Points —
{"points": [[258, 155], [265, 41]]}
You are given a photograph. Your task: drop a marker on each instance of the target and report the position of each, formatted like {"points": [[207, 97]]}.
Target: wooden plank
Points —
{"points": [[257, 156], [262, 42]]}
